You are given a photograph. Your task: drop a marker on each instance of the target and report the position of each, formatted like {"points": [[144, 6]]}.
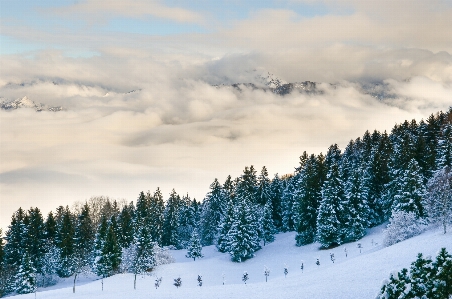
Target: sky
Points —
{"points": [[138, 82]]}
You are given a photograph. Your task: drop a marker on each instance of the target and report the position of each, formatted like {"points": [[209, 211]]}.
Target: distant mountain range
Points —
{"points": [[25, 102], [263, 80]]}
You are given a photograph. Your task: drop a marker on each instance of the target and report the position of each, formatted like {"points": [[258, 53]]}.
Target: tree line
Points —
{"points": [[329, 198]]}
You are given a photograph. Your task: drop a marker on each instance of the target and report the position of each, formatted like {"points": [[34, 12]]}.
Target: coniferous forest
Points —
{"points": [[330, 198]]}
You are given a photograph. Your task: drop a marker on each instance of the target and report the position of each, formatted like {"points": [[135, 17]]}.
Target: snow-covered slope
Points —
{"points": [[359, 275]]}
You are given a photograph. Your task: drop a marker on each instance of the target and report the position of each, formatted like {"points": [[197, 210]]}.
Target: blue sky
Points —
{"points": [[40, 16]]}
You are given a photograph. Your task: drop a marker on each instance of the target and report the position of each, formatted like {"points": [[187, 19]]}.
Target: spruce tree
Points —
{"points": [[156, 216], [263, 192], [224, 227], [276, 191], [213, 209], [268, 227], [442, 281], [355, 212], [421, 274], [35, 238], [438, 198], [194, 247], [25, 279], [306, 201], [66, 245], [171, 222], [143, 260], [410, 190], [125, 223], [287, 205], [329, 217], [15, 236], [243, 238]]}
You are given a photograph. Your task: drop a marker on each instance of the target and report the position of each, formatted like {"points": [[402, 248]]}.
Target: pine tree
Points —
{"points": [[276, 191], [438, 198], [410, 190], [143, 260], [125, 223], [15, 235], [356, 209], [171, 222], [421, 272], [3, 279], [186, 221], [156, 216], [444, 150], [242, 236], [66, 244], [329, 216], [83, 243], [194, 246], [25, 279], [263, 192], [287, 205], [268, 227], [35, 239], [442, 281], [224, 228], [213, 209], [396, 286], [108, 256]]}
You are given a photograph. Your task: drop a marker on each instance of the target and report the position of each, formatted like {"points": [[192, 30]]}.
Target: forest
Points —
{"points": [[330, 198]]}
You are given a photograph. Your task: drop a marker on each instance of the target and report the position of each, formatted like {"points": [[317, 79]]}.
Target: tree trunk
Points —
{"points": [[444, 226], [73, 288], [135, 282], [102, 283]]}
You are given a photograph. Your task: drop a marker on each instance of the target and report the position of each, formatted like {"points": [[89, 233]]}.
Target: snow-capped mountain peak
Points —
{"points": [[25, 102]]}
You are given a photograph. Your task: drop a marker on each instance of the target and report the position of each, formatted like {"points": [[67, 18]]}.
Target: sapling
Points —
{"points": [[346, 253], [157, 282], [332, 257], [286, 271], [245, 277], [200, 280], [302, 266], [317, 262], [177, 282], [223, 278], [360, 247], [266, 273]]}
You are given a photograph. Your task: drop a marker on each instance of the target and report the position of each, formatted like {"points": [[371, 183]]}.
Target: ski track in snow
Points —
{"points": [[360, 275]]}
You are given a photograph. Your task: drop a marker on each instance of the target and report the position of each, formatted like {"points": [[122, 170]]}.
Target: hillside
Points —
{"points": [[359, 275]]}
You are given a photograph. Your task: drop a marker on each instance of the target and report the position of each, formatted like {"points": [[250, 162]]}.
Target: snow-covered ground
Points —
{"points": [[359, 275]]}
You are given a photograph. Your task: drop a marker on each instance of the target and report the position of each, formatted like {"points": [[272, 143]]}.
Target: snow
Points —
{"points": [[359, 275]]}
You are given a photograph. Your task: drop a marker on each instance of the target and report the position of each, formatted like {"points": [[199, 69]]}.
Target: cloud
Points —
{"points": [[92, 9]]}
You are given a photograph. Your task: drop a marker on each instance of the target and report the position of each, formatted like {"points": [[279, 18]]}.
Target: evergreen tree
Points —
{"points": [[330, 210], [143, 260], [35, 239], [444, 150], [263, 192], [66, 245], [125, 223], [2, 266], [242, 236], [15, 235], [276, 191], [410, 191], [356, 209], [186, 221], [287, 205], [156, 216], [307, 199], [438, 199], [224, 228], [442, 281], [108, 257], [214, 206], [194, 246], [268, 227], [421, 272], [25, 279], [171, 222]]}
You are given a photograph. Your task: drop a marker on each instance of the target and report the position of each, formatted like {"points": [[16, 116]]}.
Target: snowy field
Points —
{"points": [[359, 275]]}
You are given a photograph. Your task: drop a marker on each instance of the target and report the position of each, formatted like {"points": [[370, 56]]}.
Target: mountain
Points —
{"points": [[25, 102]]}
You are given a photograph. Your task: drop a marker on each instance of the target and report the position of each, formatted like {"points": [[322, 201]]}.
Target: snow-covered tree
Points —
{"points": [[268, 227], [243, 238], [245, 277], [328, 219], [171, 221], [225, 226], [66, 244], [143, 254], [442, 281], [438, 199], [194, 246], [199, 279], [177, 282], [213, 210], [410, 190], [402, 225], [25, 279], [396, 287], [263, 191]]}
